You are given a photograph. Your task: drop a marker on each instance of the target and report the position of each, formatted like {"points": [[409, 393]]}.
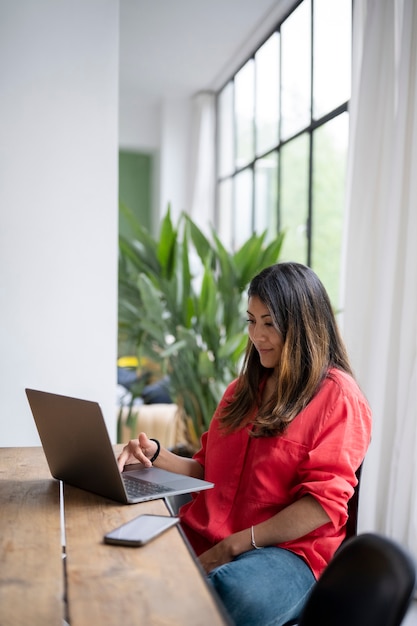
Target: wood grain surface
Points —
{"points": [[95, 584], [31, 570]]}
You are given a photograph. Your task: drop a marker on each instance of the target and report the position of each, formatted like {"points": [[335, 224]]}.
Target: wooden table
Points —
{"points": [[55, 568]]}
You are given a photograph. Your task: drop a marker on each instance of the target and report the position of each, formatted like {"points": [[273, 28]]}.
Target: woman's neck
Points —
{"points": [[269, 389]]}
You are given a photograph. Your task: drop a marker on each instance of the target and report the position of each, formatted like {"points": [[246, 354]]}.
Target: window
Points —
{"points": [[283, 136]]}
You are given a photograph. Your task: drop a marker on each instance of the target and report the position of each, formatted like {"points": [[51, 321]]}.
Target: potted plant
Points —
{"points": [[182, 305]]}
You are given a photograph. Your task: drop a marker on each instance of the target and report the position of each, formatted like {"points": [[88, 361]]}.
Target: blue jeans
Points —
{"points": [[267, 587]]}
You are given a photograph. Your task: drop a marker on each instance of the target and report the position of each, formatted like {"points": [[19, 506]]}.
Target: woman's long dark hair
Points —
{"points": [[302, 313]]}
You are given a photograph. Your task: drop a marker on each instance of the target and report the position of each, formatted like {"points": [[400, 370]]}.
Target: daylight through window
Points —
{"points": [[283, 136]]}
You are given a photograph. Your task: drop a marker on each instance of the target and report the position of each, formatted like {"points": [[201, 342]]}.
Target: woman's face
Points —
{"points": [[263, 334]]}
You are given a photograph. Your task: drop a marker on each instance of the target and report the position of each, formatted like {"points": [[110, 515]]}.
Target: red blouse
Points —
{"points": [[255, 478]]}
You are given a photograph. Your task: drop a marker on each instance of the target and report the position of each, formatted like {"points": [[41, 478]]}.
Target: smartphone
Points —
{"points": [[140, 530]]}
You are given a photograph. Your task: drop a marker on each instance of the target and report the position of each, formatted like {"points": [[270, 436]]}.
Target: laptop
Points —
{"points": [[79, 452]]}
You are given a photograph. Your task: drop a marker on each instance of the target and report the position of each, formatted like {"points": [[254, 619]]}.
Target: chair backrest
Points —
{"points": [[352, 520], [369, 582]]}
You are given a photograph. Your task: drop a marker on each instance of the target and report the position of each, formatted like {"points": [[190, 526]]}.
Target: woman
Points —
{"points": [[282, 450]]}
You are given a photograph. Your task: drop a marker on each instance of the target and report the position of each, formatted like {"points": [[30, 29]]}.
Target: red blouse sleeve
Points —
{"points": [[342, 438]]}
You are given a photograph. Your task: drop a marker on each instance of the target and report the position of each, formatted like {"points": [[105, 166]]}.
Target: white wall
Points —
{"points": [[174, 156], [163, 130], [58, 203], [139, 124]]}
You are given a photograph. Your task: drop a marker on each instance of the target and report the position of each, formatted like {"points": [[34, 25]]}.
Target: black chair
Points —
{"points": [[351, 523], [353, 505], [369, 582]]}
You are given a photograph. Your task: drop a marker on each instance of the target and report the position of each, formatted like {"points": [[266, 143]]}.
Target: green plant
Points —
{"points": [[182, 305]]}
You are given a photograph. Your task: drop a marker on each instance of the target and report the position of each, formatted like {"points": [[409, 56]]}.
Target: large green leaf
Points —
{"points": [[200, 241], [227, 275], [141, 240], [248, 258], [271, 253], [166, 246], [184, 282], [208, 294]]}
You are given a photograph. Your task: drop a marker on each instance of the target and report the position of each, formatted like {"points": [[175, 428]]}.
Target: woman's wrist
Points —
{"points": [[238, 543], [252, 540], [157, 451]]}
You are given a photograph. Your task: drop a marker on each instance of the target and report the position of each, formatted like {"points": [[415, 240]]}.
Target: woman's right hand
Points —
{"points": [[141, 449]]}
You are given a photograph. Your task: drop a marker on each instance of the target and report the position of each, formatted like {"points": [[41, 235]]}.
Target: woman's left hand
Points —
{"points": [[225, 551]]}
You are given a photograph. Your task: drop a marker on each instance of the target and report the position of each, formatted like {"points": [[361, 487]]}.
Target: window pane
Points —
{"points": [[266, 185], [330, 143], [332, 54], [225, 136], [274, 97], [243, 207], [244, 112], [294, 198], [225, 214], [267, 95], [296, 72]]}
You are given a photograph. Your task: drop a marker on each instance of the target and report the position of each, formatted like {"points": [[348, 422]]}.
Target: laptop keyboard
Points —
{"points": [[138, 488]]}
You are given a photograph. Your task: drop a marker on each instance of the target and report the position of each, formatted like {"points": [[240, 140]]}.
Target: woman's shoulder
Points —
{"points": [[338, 404], [341, 387], [230, 390], [343, 381]]}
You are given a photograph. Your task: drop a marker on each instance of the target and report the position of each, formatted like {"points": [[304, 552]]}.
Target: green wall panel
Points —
{"points": [[135, 187]]}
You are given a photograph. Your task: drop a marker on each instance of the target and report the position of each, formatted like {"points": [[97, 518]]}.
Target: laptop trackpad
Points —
{"points": [[159, 476]]}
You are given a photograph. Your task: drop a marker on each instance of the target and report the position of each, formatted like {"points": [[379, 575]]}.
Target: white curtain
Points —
{"points": [[202, 172], [380, 258]]}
